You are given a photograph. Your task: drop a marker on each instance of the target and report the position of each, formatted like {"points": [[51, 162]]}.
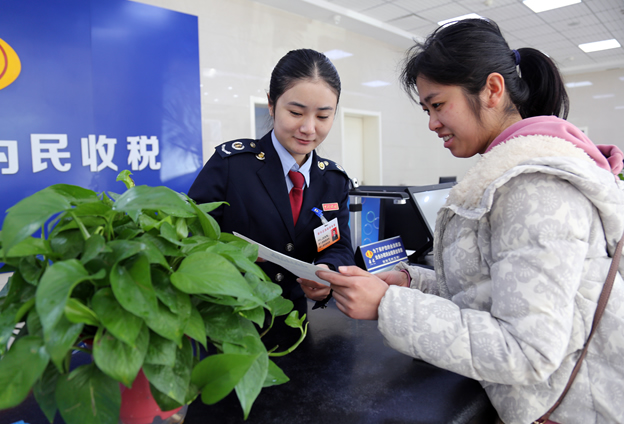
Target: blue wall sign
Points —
{"points": [[101, 86]]}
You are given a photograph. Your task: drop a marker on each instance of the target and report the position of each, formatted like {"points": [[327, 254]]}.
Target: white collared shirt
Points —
{"points": [[290, 164]]}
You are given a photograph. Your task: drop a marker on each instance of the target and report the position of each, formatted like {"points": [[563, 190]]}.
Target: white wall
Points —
{"points": [[241, 41], [600, 106]]}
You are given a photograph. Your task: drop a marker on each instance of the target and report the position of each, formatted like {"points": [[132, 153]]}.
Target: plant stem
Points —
{"points": [[83, 230]]}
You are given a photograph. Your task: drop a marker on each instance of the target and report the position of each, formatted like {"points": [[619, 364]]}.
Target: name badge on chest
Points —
{"points": [[327, 234]]}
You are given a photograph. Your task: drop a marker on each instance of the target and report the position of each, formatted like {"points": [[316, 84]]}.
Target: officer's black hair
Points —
{"points": [[466, 52], [302, 64]]}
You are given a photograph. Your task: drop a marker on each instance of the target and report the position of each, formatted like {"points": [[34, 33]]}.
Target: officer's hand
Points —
{"points": [[314, 290]]}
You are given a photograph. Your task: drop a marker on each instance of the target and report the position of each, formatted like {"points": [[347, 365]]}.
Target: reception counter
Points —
{"points": [[342, 373]]}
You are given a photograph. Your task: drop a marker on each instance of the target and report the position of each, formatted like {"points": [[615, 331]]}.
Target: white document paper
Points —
{"points": [[299, 268]]}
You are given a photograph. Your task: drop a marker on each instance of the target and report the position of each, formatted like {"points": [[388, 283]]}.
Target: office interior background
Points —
{"points": [[380, 136]]}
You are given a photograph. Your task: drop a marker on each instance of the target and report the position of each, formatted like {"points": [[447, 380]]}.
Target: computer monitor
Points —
{"points": [[429, 200], [415, 220]]}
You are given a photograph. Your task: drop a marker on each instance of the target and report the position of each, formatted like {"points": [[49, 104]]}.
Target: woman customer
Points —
{"points": [[272, 184], [523, 244]]}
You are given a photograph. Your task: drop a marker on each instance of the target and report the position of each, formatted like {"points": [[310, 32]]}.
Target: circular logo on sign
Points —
{"points": [[10, 65]]}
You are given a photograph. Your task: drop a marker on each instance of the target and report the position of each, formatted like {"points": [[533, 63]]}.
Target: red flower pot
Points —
{"points": [[139, 407]]}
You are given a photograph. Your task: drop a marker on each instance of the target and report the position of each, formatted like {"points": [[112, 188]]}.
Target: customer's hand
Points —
{"points": [[396, 278], [314, 290], [357, 292]]}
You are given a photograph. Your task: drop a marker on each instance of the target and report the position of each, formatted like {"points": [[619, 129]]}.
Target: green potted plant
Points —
{"points": [[140, 281]]}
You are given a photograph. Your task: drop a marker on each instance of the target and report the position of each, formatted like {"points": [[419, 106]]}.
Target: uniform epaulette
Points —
{"points": [[234, 147], [329, 165]]}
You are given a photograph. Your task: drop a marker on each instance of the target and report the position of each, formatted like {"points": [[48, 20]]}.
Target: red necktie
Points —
{"points": [[296, 193]]}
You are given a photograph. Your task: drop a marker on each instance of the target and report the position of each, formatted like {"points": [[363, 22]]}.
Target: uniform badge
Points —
{"points": [[260, 156], [330, 207], [321, 165], [252, 144], [326, 163], [225, 151], [238, 145]]}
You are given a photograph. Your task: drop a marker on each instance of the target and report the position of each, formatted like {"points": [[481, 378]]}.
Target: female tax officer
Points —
{"points": [[263, 180], [523, 244]]}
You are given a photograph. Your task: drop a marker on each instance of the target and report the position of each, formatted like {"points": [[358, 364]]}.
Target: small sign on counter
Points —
{"points": [[381, 254]]}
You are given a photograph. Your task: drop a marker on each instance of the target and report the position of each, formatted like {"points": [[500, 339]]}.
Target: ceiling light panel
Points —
{"points": [[337, 54], [600, 45], [576, 84], [539, 6], [460, 18], [376, 83]]}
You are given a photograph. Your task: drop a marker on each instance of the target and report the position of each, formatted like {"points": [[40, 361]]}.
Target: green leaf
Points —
{"points": [[173, 381], [223, 325], [195, 328], [275, 376], [163, 199], [26, 247], [209, 207], [75, 194], [118, 360], [163, 246], [255, 315], [168, 324], [55, 288], [94, 246], [7, 324], [124, 176], [123, 249], [165, 291], [249, 387], [68, 244], [122, 324], [280, 306], [88, 395], [181, 228], [28, 215], [132, 286], [19, 290], [169, 233], [207, 273], [217, 375], [209, 226], [60, 339], [31, 269], [77, 312], [161, 351], [264, 289], [20, 368], [44, 391], [234, 255]]}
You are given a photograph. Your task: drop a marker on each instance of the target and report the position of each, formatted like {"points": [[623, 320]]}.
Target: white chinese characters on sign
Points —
{"points": [[104, 148], [145, 150], [49, 150], [8, 155]]}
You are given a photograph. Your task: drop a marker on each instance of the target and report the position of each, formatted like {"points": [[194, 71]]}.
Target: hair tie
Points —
{"points": [[517, 54]]}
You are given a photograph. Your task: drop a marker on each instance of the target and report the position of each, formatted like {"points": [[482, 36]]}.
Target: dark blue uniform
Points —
{"points": [[248, 175]]}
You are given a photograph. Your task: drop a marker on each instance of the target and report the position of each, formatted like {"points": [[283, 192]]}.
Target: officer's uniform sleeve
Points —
{"points": [[341, 252]]}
